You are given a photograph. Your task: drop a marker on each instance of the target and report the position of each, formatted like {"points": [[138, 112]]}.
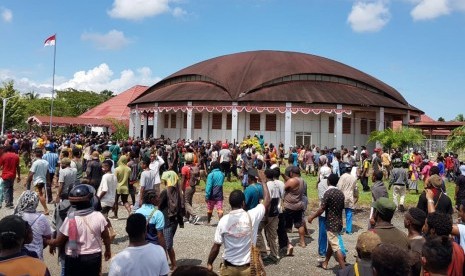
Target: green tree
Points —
{"points": [[107, 94], [456, 140], [31, 95], [459, 118], [79, 101], [441, 119], [120, 130], [400, 138], [14, 110]]}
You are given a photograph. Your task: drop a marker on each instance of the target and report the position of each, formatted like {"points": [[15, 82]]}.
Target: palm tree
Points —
{"points": [[32, 95]]}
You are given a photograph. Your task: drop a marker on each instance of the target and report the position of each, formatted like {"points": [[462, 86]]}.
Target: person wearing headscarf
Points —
{"points": [[83, 231], [27, 209], [122, 173]]}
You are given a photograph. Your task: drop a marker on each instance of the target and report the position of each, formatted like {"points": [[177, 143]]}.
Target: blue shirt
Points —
{"points": [[214, 187], [52, 159], [253, 193], [295, 159], [156, 222]]}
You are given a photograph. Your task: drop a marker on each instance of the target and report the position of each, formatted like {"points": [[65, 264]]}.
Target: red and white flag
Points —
{"points": [[50, 41]]}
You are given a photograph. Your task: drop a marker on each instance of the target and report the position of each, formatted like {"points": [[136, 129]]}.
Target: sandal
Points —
{"points": [[320, 265]]}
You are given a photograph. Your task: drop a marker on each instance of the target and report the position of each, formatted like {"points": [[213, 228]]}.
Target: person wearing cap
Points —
{"points": [[13, 261], [52, 158], [107, 156], [39, 177], [254, 191], [9, 163], [214, 191], [440, 200], [332, 205], [225, 161], [384, 210], [94, 170], [460, 186], [414, 220], [366, 243], [66, 180], [83, 231]]}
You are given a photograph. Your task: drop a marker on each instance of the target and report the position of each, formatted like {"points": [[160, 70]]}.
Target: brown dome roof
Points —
{"points": [[273, 76]]}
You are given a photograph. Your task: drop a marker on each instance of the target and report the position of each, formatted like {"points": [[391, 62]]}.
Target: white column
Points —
{"points": [[155, 122], [189, 121], [288, 126], [234, 118], [131, 122], [137, 123], [380, 122], [144, 125], [338, 132]]}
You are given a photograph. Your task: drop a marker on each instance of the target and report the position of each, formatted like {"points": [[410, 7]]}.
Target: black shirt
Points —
{"points": [[460, 181], [333, 204], [442, 203]]}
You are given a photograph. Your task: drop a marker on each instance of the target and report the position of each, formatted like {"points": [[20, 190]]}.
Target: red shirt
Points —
{"points": [[186, 172], [10, 162]]}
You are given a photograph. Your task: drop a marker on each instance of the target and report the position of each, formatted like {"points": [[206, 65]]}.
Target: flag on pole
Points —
{"points": [[50, 41]]}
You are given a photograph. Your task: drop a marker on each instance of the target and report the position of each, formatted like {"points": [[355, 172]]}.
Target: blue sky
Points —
{"points": [[416, 46]]}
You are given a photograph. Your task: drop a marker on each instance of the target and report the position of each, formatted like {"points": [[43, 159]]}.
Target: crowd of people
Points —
{"points": [[88, 178]]}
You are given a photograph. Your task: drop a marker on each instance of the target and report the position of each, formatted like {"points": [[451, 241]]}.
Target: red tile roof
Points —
{"points": [[116, 107], [68, 121]]}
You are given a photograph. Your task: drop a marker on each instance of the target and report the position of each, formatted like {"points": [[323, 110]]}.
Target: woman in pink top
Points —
{"points": [[425, 171], [83, 232]]}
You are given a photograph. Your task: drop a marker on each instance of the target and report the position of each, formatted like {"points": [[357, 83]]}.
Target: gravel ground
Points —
{"points": [[193, 243]]}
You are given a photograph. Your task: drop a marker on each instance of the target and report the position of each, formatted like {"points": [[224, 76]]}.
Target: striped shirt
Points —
{"points": [[52, 159]]}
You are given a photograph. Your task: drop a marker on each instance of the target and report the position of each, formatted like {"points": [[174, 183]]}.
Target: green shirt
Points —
{"points": [[122, 172]]}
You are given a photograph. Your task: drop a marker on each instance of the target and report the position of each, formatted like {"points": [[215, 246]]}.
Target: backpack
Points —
{"points": [[194, 179]]}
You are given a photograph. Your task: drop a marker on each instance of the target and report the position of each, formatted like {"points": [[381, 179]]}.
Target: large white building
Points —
{"points": [[288, 97]]}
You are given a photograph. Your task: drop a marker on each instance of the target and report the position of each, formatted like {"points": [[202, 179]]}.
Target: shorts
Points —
{"points": [[105, 210], [293, 218], [310, 168], [124, 198], [212, 204], [333, 240], [168, 233]]}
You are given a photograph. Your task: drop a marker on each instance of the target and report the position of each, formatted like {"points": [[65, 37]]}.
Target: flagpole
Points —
{"points": [[53, 83]]}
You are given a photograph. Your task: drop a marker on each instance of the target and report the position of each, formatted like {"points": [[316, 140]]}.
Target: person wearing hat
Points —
{"points": [[66, 180], [384, 210], [94, 170], [225, 161], [52, 158], [13, 261], [366, 243], [82, 233], [322, 188], [440, 200], [414, 220]]}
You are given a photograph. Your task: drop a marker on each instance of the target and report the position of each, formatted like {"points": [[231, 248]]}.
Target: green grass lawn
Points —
{"points": [[411, 198]]}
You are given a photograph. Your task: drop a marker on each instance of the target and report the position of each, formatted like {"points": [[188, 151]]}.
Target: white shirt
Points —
{"points": [[147, 179], [40, 170], [40, 227], [155, 166], [234, 231], [147, 260], [108, 184]]}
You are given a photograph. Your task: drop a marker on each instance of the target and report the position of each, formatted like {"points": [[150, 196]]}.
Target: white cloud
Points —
{"points": [[369, 16], [6, 14], [96, 79], [430, 9], [113, 40], [179, 13], [139, 9]]}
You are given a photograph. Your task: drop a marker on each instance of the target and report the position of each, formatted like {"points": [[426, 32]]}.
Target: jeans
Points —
{"points": [[1, 192], [283, 239], [322, 237], [349, 212], [8, 191], [364, 181]]}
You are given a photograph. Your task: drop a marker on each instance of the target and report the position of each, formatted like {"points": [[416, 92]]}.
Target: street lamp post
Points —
{"points": [[3, 112]]}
